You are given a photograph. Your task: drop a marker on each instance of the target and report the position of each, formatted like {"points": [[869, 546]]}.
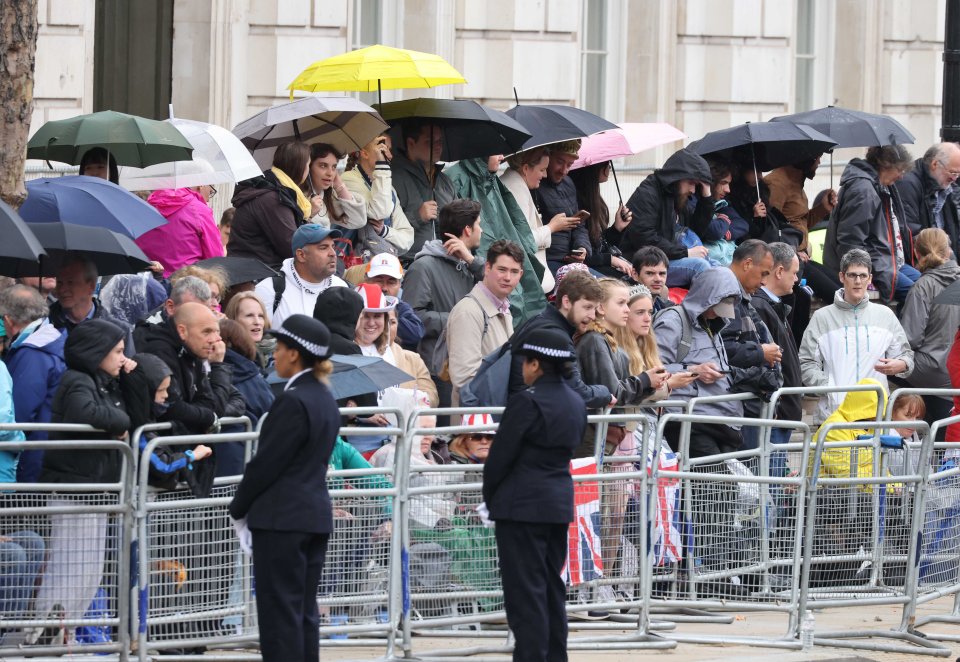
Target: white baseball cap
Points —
{"points": [[385, 264]]}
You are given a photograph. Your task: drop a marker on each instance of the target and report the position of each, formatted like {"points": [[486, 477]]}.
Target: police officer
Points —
{"points": [[528, 491], [283, 499]]}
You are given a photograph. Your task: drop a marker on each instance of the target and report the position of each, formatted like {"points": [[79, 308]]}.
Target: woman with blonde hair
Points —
{"points": [[215, 277], [931, 329], [247, 310]]}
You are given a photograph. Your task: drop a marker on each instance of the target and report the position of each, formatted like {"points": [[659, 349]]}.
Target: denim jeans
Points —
{"points": [[21, 555], [682, 271]]}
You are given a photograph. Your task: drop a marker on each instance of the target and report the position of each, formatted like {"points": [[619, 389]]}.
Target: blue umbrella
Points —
{"points": [[91, 201]]}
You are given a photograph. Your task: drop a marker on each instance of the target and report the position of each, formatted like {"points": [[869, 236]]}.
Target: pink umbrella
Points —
{"points": [[631, 138], [627, 140]]}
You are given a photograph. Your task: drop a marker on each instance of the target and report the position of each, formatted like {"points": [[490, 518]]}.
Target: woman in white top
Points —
{"points": [[369, 178], [329, 197], [524, 174]]}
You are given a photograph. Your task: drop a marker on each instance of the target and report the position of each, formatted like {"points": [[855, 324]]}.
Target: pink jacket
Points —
{"points": [[190, 234]]}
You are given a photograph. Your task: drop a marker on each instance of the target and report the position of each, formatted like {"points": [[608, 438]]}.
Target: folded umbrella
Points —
{"points": [[112, 252], [218, 158], [344, 122], [469, 129], [239, 269], [90, 201], [357, 374], [20, 250], [131, 140], [551, 124]]}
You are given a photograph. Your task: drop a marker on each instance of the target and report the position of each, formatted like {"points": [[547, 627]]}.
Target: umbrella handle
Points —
{"points": [[613, 171], [756, 175]]}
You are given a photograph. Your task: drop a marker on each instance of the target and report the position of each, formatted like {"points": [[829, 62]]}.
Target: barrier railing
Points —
{"points": [[409, 554]]}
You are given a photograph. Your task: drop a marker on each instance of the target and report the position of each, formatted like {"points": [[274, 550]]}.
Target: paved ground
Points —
{"points": [[745, 624]]}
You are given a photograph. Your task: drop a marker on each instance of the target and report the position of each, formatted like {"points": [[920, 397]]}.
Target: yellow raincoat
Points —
{"points": [[856, 406]]}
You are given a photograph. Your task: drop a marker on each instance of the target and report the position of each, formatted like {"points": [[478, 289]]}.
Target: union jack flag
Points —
{"points": [[666, 537], [584, 562]]}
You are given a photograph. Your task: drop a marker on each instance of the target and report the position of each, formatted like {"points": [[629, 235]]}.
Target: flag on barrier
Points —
{"points": [[584, 562], [666, 538]]}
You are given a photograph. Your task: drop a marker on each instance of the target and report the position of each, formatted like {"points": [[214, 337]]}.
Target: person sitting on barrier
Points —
{"points": [[89, 393], [145, 397], [282, 507]]}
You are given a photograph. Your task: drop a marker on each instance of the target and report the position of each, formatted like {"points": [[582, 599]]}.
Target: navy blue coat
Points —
{"points": [[284, 487], [526, 478]]}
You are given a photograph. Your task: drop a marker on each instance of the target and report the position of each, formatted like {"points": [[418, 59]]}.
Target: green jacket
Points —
{"points": [[502, 218], [345, 456]]}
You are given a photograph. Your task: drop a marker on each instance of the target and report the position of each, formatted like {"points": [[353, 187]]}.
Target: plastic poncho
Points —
{"points": [[502, 218]]}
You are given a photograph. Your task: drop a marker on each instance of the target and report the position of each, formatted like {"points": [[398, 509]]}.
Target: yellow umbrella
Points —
{"points": [[375, 68]]}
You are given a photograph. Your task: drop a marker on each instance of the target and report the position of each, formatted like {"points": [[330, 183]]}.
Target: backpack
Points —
{"points": [[491, 385], [439, 361], [430, 567], [686, 334], [279, 285]]}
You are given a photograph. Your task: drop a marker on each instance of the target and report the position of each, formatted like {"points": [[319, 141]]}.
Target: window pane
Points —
{"points": [[805, 27], [596, 15], [804, 92], [368, 30]]}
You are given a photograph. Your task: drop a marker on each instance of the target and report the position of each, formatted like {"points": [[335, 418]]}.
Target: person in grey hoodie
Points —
{"points": [[421, 186], [445, 270], [930, 329]]}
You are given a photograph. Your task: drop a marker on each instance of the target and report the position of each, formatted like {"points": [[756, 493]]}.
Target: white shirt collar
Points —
{"points": [[294, 378]]}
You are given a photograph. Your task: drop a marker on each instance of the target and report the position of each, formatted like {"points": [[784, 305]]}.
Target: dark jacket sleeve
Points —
{"points": [[418, 293], [519, 416], [701, 217], [410, 328], [647, 208], [910, 189], [81, 405], [187, 417], [742, 345], [283, 433], [596, 364]]}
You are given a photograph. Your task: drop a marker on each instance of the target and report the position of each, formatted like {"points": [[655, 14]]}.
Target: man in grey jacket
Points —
{"points": [[421, 186], [443, 273]]}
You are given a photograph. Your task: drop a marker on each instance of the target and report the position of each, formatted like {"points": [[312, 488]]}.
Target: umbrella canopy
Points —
{"points": [[950, 295], [376, 68], [131, 140], [551, 124], [218, 158], [626, 140], [344, 122], [768, 145], [112, 252], [852, 128], [20, 250], [239, 269], [469, 129], [91, 201], [358, 375]]}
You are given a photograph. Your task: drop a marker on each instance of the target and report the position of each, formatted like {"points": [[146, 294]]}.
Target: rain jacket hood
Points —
{"points": [[858, 406], [171, 200], [709, 288], [503, 219], [89, 343], [154, 370], [434, 248], [683, 164], [339, 308]]}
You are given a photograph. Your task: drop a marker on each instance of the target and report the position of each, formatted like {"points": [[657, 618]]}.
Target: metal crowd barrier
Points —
{"points": [[64, 558]]}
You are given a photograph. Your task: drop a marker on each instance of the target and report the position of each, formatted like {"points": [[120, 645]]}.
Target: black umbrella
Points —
{"points": [[358, 375], [112, 252], [20, 251], [553, 124], [767, 145], [852, 128], [469, 129], [239, 269], [950, 295]]}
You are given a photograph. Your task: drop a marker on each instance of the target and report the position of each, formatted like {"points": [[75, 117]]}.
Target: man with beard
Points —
{"points": [[928, 193], [661, 217], [557, 194], [575, 308]]}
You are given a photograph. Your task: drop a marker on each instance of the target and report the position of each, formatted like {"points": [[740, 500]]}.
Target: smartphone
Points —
{"points": [[583, 215], [579, 251]]}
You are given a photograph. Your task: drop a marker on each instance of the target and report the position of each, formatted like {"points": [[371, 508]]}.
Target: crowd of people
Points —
{"points": [[692, 288]]}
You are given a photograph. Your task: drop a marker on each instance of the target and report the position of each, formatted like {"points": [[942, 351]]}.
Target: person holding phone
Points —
{"points": [[558, 195]]}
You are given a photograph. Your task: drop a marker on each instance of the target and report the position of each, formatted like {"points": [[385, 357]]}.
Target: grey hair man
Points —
{"points": [[35, 360], [929, 193], [852, 338], [189, 289]]}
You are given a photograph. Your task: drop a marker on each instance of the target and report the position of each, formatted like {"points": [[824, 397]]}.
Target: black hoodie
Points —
{"points": [[267, 216], [340, 308], [89, 396], [654, 207]]}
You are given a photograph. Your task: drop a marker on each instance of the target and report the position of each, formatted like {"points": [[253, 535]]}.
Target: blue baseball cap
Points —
{"points": [[312, 233]]}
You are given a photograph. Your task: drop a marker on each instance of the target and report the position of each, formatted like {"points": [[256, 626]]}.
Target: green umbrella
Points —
{"points": [[133, 141]]}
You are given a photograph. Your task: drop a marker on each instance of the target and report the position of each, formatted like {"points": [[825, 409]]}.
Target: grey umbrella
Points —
{"points": [[20, 250], [344, 122]]}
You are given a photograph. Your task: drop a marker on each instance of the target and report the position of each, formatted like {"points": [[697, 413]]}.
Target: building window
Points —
{"points": [[365, 30], [805, 55], [593, 63]]}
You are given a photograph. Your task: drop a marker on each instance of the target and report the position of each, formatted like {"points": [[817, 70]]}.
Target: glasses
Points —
{"points": [[482, 438], [213, 191], [857, 276]]}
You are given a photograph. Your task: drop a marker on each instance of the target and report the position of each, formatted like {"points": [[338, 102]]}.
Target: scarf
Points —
{"points": [[302, 202]]}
